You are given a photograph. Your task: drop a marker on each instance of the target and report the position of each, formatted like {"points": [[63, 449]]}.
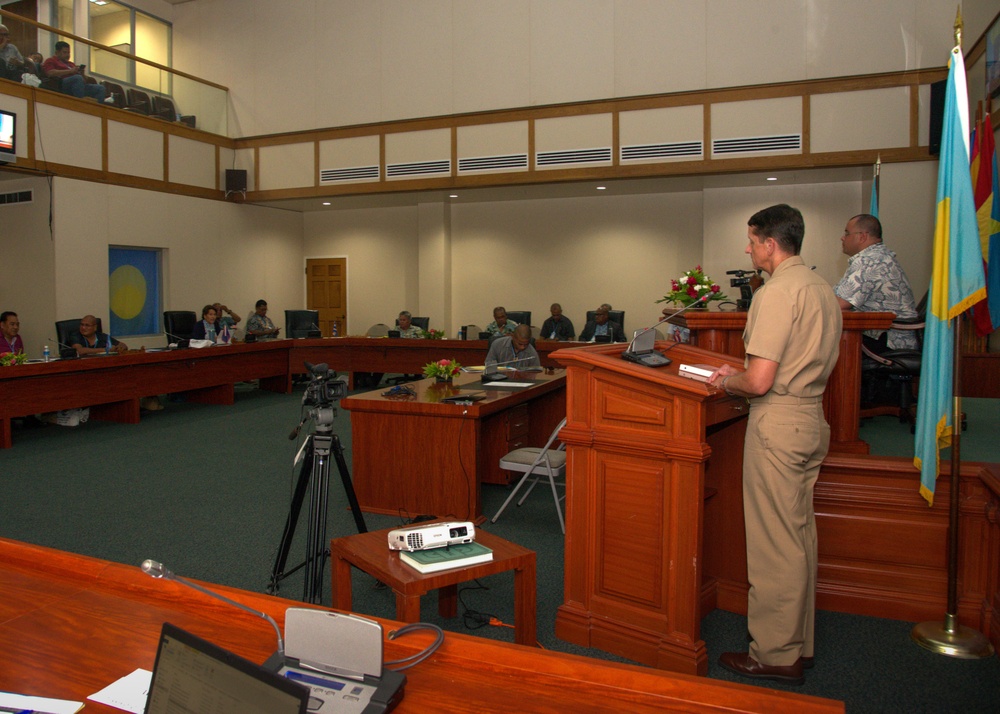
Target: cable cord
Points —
{"points": [[419, 657]]}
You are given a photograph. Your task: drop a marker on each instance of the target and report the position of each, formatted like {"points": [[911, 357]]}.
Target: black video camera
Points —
{"points": [[742, 281], [325, 387]]}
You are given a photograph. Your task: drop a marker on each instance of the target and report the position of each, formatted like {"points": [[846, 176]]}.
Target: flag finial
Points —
{"points": [[958, 27]]}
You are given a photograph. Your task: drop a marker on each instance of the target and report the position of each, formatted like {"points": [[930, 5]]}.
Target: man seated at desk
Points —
{"points": [[513, 350], [88, 341], [875, 282], [10, 341], [601, 325], [407, 328], [557, 327], [259, 324], [500, 325]]}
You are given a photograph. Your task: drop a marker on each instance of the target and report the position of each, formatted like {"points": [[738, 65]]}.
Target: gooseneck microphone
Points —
{"points": [[63, 346], [158, 570]]}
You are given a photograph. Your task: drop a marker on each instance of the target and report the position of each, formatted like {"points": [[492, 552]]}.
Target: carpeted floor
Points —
{"points": [[206, 490]]}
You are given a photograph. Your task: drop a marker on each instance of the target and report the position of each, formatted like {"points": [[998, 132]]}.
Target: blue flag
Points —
{"points": [[957, 280], [873, 203]]}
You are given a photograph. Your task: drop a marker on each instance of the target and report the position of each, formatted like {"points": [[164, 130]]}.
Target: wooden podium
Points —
{"points": [[654, 527]]}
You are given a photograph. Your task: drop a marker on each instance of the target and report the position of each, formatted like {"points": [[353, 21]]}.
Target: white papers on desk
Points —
{"points": [[128, 693], [42, 705], [505, 384]]}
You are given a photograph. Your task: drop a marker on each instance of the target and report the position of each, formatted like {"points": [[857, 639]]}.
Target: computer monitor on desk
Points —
{"points": [[302, 323]]}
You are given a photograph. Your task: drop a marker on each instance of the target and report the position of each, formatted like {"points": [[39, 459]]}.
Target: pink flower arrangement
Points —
{"points": [[444, 368]]}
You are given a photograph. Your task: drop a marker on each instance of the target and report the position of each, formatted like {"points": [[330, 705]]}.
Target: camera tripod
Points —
{"points": [[314, 476]]}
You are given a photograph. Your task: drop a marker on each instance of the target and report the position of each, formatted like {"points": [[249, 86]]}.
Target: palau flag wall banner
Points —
{"points": [[134, 291]]}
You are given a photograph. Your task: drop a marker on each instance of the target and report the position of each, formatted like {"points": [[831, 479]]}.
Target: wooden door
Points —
{"points": [[326, 291]]}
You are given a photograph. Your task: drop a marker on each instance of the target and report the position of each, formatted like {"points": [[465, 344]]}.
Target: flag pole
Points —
{"points": [[949, 637]]}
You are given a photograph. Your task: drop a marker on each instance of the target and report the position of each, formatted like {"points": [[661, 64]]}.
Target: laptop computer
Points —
{"points": [[194, 675], [641, 350]]}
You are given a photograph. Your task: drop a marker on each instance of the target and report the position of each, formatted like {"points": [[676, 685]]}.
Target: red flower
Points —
{"points": [[444, 362], [715, 288], [692, 292], [674, 286], [692, 280]]}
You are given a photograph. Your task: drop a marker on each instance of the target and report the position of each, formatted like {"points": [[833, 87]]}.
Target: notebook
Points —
{"points": [[193, 675]]}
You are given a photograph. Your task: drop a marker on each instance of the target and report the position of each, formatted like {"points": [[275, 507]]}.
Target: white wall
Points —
{"points": [[213, 250], [325, 63]]}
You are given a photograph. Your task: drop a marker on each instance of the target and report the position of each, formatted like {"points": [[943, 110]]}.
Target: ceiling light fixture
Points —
{"points": [[452, 195], [601, 188], [772, 178], [326, 203]]}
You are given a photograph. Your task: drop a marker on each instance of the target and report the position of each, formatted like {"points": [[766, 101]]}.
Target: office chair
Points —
{"points": [[302, 323], [179, 324], [613, 316], [521, 317], [893, 374], [378, 330], [65, 328], [163, 108], [138, 101], [537, 464]]}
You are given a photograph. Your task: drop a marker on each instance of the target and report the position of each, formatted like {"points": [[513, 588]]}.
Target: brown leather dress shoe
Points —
{"points": [[746, 666]]}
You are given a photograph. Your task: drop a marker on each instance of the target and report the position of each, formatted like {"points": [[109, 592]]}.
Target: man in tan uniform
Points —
{"points": [[792, 340]]}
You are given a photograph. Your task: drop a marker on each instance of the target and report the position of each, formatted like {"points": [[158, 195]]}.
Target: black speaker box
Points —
{"points": [[236, 180]]}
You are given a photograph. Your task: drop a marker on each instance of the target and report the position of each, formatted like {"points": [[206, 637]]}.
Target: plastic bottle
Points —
{"points": [[107, 345], [46, 355]]}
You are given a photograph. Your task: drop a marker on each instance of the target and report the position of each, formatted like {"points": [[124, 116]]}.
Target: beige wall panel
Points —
{"points": [[580, 132], [872, 119], [755, 41], [416, 58], [431, 145], [263, 249], [758, 117], [492, 61], [907, 206], [434, 260], [655, 126], [350, 36], [348, 153], [369, 238], [578, 252], [572, 50], [287, 166], [192, 162], [20, 108], [63, 136], [645, 61], [493, 139], [135, 151], [29, 263]]}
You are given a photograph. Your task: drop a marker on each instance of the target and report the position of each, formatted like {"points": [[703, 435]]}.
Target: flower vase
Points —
{"points": [[443, 380]]}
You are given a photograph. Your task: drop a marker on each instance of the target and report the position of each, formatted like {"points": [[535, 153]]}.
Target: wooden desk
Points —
{"points": [[71, 625], [112, 386], [422, 456], [723, 332], [369, 553]]}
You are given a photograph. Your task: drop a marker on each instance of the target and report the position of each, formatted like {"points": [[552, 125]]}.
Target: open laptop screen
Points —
{"points": [[193, 675]]}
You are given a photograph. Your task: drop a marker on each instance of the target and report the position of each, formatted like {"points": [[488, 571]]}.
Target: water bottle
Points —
{"points": [[336, 329], [107, 344], [45, 353]]}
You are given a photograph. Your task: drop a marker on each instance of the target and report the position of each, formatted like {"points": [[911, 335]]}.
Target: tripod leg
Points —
{"points": [[299, 495], [345, 479], [316, 538]]}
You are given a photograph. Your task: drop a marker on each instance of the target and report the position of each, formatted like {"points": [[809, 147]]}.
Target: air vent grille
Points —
{"points": [[784, 142], [645, 152], [16, 197], [418, 168], [356, 173], [493, 163], [573, 157]]}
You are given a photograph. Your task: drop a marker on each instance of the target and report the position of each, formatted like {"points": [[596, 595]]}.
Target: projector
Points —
{"points": [[434, 535]]}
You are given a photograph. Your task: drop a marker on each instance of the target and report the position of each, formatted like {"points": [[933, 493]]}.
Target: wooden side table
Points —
{"points": [[370, 553]]}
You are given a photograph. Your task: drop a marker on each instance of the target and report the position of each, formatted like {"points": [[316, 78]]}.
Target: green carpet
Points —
{"points": [[206, 490]]}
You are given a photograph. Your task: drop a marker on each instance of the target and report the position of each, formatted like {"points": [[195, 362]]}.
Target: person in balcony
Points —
{"points": [[71, 78]]}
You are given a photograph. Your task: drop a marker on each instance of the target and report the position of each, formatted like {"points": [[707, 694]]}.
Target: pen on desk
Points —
{"points": [[6, 710]]}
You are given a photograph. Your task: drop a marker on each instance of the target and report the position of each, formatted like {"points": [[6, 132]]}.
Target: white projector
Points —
{"points": [[433, 535]]}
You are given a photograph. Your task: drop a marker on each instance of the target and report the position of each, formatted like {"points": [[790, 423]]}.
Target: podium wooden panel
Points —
{"points": [[653, 461]]}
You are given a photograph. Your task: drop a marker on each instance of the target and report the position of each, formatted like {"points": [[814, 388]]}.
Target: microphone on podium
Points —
{"points": [[64, 349], [158, 570]]}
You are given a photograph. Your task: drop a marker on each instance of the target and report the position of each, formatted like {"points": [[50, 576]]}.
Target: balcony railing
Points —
{"points": [[206, 101]]}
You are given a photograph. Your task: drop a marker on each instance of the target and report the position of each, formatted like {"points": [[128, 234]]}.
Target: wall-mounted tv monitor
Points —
{"points": [[8, 134]]}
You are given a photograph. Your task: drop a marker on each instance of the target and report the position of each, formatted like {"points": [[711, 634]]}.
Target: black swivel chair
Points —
{"points": [[613, 316], [179, 324], [302, 323], [521, 317], [889, 378], [65, 328]]}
